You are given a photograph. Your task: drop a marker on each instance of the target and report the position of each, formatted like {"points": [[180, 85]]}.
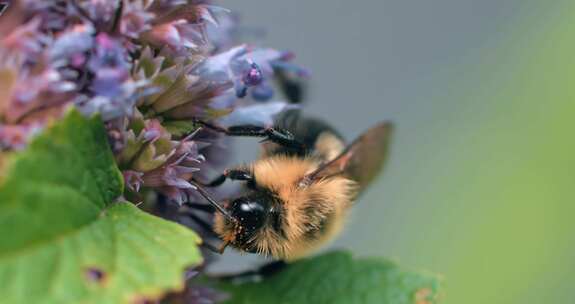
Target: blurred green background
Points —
{"points": [[481, 181]]}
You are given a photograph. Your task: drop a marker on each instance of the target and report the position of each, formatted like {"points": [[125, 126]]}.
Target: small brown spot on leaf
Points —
{"points": [[94, 274], [424, 296]]}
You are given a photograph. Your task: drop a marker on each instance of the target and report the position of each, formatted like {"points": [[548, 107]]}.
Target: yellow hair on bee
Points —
{"points": [[313, 214], [298, 194]]}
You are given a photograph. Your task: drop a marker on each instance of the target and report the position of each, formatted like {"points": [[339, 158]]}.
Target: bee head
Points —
{"points": [[250, 213]]}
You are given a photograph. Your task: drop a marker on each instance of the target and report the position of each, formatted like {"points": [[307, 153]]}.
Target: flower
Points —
{"points": [[27, 39], [153, 160], [72, 46], [135, 20], [172, 177], [112, 92], [244, 67], [147, 68], [15, 137], [180, 27], [150, 69], [94, 53], [30, 95], [133, 180]]}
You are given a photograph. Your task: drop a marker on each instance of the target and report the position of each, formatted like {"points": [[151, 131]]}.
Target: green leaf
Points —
{"points": [[65, 240], [338, 278]]}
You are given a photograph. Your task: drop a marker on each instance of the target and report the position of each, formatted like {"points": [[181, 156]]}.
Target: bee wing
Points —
{"points": [[362, 160]]}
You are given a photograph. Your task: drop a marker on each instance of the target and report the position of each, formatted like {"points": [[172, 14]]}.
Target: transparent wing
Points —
{"points": [[362, 160]]}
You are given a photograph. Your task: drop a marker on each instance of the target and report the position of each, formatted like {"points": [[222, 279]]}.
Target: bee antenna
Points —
{"points": [[219, 208]]}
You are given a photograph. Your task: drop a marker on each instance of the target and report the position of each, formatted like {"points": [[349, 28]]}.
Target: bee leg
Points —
{"points": [[218, 181], [210, 247], [233, 174], [272, 268], [251, 275], [278, 136]]}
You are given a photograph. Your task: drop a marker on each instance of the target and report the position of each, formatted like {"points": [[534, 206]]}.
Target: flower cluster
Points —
{"points": [[149, 68]]}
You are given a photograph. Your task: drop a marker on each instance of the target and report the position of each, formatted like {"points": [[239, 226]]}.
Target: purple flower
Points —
{"points": [[181, 28], [230, 68], [110, 67], [245, 67], [172, 177], [71, 46], [149, 68], [253, 75], [31, 95], [154, 161], [56, 15], [178, 35], [27, 40], [101, 67], [15, 137], [135, 20], [147, 150], [100, 12], [133, 180]]}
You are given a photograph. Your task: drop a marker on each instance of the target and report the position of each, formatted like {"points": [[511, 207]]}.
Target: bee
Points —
{"points": [[299, 192]]}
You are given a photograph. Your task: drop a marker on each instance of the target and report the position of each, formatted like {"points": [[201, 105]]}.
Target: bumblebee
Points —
{"points": [[299, 192]]}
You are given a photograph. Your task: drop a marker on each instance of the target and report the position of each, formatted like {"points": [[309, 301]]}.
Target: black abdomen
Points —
{"points": [[306, 130]]}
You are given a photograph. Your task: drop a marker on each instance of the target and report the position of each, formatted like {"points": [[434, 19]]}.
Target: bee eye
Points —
{"points": [[250, 213]]}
